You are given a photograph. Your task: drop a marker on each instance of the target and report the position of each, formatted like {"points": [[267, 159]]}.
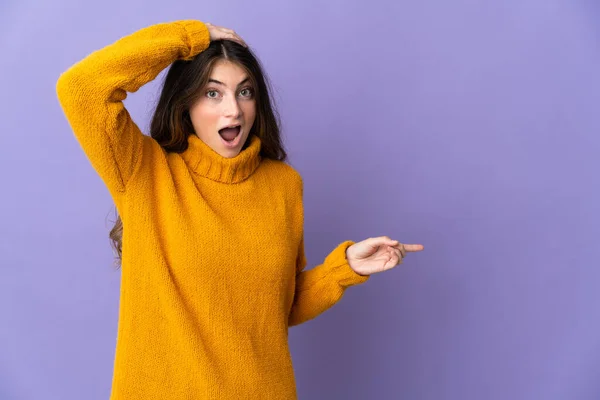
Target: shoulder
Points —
{"points": [[284, 174]]}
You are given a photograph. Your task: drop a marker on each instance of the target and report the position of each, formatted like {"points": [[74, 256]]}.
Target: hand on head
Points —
{"points": [[219, 32]]}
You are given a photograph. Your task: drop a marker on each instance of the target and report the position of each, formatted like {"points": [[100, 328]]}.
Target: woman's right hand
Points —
{"points": [[218, 33]]}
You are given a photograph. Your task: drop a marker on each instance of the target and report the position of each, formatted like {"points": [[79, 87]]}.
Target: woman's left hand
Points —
{"points": [[378, 254]]}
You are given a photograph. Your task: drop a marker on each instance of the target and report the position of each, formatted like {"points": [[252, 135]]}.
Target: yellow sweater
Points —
{"points": [[213, 250]]}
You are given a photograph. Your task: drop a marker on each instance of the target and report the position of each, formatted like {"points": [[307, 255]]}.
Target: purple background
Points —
{"points": [[469, 127]]}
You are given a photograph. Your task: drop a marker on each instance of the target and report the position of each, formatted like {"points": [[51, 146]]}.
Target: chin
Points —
{"points": [[229, 153]]}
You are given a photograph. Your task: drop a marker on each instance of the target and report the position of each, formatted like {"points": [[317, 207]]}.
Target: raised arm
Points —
{"points": [[91, 93]]}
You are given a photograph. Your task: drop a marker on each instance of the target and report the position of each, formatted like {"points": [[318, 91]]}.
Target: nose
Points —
{"points": [[231, 108]]}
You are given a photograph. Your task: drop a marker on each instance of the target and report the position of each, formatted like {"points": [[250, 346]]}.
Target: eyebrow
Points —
{"points": [[221, 83]]}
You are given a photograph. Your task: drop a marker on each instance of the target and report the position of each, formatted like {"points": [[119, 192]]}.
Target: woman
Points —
{"points": [[211, 218]]}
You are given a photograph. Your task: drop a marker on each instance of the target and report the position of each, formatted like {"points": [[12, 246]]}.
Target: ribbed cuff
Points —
{"points": [[198, 37], [340, 268]]}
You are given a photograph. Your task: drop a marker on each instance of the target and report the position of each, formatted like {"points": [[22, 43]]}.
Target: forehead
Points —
{"points": [[228, 72]]}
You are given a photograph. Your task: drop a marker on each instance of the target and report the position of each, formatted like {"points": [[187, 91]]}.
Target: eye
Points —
{"points": [[208, 94], [249, 92]]}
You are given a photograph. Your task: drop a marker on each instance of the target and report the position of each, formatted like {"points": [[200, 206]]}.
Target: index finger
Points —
{"points": [[411, 247]]}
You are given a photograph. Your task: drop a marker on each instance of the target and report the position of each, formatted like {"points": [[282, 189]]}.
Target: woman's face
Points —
{"points": [[228, 100]]}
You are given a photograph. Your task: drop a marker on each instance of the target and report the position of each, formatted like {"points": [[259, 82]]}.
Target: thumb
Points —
{"points": [[380, 241]]}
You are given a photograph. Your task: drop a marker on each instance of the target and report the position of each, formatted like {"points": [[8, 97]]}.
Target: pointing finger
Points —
{"points": [[410, 247]]}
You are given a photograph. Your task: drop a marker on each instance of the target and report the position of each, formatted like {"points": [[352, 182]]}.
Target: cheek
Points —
{"points": [[204, 116], [249, 111]]}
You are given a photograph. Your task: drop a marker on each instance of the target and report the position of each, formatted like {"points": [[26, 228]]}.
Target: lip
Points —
{"points": [[236, 141], [231, 126]]}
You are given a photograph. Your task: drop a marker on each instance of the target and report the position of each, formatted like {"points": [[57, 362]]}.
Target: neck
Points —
{"points": [[206, 162]]}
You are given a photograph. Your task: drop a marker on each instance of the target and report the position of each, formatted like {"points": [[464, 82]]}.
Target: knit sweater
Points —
{"points": [[213, 263]]}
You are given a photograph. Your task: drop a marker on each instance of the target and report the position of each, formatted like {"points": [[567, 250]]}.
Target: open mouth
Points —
{"points": [[231, 136]]}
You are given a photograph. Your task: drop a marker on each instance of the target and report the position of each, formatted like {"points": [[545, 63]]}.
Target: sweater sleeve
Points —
{"points": [[319, 288], [91, 93]]}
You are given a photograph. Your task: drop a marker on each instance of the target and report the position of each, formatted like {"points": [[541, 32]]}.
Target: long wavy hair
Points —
{"points": [[182, 86]]}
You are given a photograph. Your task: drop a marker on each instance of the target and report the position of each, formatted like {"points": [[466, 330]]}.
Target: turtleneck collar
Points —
{"points": [[204, 161]]}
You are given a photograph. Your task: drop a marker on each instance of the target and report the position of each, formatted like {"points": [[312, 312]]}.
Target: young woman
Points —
{"points": [[210, 228]]}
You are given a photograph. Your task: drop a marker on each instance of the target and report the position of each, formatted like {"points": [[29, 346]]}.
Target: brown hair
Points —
{"points": [[182, 86]]}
